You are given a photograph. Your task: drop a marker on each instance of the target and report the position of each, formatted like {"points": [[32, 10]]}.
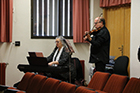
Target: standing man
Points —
{"points": [[100, 44]]}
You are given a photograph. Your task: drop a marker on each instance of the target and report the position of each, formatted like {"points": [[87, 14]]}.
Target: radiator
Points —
{"points": [[2, 73]]}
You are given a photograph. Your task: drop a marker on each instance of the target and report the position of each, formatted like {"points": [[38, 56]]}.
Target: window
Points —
{"points": [[51, 18]]}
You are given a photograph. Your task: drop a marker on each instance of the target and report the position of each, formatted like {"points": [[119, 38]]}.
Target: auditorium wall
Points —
{"points": [[14, 55]]}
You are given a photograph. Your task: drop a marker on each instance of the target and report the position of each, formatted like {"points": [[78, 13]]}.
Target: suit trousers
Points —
{"points": [[100, 66]]}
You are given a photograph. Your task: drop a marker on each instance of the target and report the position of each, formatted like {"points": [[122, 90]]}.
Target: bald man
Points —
{"points": [[100, 44]]}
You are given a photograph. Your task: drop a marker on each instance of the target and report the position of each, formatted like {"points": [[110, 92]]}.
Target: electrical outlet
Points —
{"points": [[17, 43]]}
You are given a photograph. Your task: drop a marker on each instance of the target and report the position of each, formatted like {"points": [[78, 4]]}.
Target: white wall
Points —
{"points": [[134, 38], [22, 32], [95, 11]]}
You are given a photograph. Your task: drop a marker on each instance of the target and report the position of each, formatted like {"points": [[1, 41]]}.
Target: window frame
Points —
{"points": [[44, 37]]}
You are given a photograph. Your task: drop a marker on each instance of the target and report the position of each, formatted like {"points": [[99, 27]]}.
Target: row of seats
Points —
{"points": [[101, 82], [31, 83]]}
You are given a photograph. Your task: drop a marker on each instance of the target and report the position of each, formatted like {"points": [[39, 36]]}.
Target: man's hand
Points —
{"points": [[87, 36]]}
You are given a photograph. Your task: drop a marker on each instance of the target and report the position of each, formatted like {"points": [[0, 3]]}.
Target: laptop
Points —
{"points": [[35, 54], [37, 61]]}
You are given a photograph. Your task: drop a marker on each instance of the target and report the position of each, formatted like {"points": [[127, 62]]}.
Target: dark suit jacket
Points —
{"points": [[100, 46]]}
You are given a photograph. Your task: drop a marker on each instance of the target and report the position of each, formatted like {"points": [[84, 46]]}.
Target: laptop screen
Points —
{"points": [[35, 54]]}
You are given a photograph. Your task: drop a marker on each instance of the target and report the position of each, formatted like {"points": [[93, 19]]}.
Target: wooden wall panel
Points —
{"points": [[118, 23]]}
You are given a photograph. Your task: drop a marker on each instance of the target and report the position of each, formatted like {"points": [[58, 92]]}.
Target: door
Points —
{"points": [[118, 23]]}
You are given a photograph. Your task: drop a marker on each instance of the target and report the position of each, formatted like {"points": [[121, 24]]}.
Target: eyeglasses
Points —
{"points": [[56, 41], [96, 22]]}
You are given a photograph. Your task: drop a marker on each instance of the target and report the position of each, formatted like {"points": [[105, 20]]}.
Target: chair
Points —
{"points": [[33, 87], [25, 81], [13, 91], [23, 84], [49, 85], [65, 87], [120, 66], [36, 84], [98, 80], [133, 86], [115, 84], [79, 71], [84, 90]]}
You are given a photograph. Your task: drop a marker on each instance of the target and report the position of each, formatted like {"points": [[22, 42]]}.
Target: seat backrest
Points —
{"points": [[49, 85], [65, 87], [36, 84], [120, 66], [20, 92], [115, 83], [83, 67], [83, 90], [133, 86], [98, 80], [78, 68], [25, 81]]}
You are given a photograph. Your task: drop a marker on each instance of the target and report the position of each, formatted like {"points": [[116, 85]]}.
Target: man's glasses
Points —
{"points": [[97, 22]]}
